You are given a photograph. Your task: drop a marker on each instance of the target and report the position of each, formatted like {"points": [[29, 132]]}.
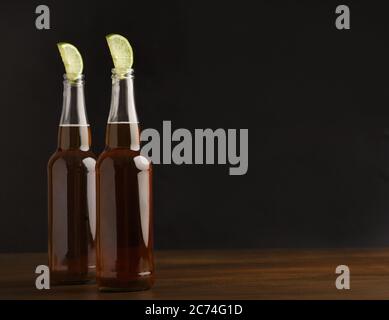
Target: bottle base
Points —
{"points": [[115, 285], [63, 278], [71, 282]]}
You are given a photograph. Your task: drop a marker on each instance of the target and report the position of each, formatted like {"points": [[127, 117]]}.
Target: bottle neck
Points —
{"points": [[123, 127], [74, 131]]}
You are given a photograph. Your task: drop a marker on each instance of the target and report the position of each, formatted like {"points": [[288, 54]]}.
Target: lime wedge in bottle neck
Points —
{"points": [[72, 60], [121, 52]]}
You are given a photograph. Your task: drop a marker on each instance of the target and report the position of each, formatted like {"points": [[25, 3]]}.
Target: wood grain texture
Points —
{"points": [[244, 274]]}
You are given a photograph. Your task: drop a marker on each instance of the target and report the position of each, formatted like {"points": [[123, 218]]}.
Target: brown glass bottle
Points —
{"points": [[124, 199], [71, 194]]}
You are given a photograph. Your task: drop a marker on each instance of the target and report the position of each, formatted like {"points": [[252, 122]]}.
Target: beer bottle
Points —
{"points": [[71, 185], [124, 191]]}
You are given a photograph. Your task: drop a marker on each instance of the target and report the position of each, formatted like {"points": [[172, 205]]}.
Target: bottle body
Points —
{"points": [[71, 201], [124, 202]]}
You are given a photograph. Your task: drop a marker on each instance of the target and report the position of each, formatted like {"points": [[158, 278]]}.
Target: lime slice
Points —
{"points": [[71, 59], [121, 53]]}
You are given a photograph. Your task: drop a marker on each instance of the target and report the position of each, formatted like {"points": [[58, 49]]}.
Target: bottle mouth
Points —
{"points": [[120, 75], [74, 82]]}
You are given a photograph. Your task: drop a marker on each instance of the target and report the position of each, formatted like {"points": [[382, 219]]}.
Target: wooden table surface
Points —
{"points": [[243, 274]]}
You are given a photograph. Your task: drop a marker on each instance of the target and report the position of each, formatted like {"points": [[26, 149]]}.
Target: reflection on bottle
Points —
{"points": [[143, 164]]}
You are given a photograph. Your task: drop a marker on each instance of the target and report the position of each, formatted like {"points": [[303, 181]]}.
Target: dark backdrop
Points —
{"points": [[315, 101]]}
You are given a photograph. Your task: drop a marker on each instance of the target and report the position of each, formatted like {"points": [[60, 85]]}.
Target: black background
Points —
{"points": [[315, 101]]}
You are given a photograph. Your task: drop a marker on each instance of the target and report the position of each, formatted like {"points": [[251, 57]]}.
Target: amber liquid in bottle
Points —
{"points": [[124, 200], [71, 195]]}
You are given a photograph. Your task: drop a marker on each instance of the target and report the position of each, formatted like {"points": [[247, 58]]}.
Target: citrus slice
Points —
{"points": [[121, 53], [71, 59]]}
